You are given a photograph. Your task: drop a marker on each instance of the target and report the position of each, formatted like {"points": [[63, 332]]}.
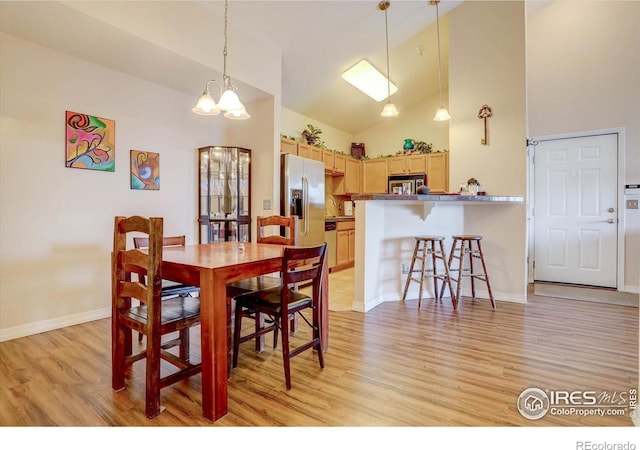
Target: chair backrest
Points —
{"points": [[167, 241], [288, 226], [143, 263], [300, 264]]}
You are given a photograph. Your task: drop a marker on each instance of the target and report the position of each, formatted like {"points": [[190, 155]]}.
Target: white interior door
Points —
{"points": [[575, 213]]}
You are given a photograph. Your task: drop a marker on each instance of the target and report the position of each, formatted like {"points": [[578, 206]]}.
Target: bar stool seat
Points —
{"points": [[425, 246], [464, 245]]}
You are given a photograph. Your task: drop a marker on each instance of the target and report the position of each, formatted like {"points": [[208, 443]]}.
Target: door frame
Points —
{"points": [[531, 143]]}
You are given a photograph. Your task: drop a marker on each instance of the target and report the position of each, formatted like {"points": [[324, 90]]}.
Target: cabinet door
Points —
{"points": [[416, 163], [352, 246], [397, 165], [374, 176], [339, 163], [438, 172], [352, 176], [328, 160], [288, 146], [304, 150], [315, 153], [342, 247]]}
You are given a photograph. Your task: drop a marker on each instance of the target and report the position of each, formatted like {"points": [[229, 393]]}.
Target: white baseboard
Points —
{"points": [[29, 329], [632, 289]]}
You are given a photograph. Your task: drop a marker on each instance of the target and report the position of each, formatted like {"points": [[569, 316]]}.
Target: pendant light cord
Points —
{"points": [[386, 28], [439, 62]]}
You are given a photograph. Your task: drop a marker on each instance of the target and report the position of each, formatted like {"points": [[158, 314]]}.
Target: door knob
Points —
{"points": [[610, 220], [611, 210]]}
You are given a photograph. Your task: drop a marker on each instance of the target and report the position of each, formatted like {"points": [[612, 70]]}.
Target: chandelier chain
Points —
{"points": [[224, 52]]}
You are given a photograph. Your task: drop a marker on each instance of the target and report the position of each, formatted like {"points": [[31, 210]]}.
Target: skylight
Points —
{"points": [[369, 80]]}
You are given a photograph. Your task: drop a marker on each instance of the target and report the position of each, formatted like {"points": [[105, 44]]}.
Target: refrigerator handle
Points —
{"points": [[305, 207]]}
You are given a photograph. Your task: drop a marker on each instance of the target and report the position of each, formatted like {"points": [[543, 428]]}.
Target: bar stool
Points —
{"points": [[425, 246], [466, 247]]}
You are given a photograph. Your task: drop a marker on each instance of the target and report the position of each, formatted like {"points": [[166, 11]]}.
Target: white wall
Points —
{"points": [[294, 123], [487, 66], [387, 137], [56, 223], [583, 68]]}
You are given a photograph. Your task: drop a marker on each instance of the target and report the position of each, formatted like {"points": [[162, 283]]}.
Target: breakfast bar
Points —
{"points": [[387, 224]]}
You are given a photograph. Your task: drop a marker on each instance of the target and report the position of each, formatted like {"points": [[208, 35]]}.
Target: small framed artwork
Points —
{"points": [[90, 142], [145, 170]]}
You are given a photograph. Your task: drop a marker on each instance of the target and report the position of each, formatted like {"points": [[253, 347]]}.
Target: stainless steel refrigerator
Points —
{"points": [[302, 194]]}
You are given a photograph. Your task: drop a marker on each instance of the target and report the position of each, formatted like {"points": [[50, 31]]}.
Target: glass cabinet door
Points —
{"points": [[224, 193]]}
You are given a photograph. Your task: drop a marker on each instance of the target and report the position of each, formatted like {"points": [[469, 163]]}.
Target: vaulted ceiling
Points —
{"points": [[318, 39]]}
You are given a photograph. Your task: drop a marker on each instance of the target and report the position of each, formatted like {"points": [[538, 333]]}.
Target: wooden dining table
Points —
{"points": [[211, 267]]}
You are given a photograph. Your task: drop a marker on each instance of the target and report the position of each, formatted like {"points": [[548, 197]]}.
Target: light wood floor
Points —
{"points": [[394, 366]]}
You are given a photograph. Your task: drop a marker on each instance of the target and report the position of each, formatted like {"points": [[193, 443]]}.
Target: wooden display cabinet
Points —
{"points": [[224, 194]]}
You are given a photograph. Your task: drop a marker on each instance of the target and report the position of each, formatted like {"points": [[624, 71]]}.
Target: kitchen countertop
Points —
{"points": [[441, 198], [338, 218]]}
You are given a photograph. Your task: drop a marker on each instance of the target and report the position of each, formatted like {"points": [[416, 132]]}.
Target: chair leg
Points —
{"points": [[236, 333], [460, 266], [486, 276], [473, 285], [316, 335], [422, 267], [454, 300], [286, 359], [259, 324], [117, 356], [435, 271], [184, 344], [413, 261], [152, 408]]}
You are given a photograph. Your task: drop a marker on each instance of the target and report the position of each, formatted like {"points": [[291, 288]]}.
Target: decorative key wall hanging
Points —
{"points": [[484, 113]]}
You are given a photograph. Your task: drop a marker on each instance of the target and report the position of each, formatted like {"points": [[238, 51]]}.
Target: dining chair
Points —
{"points": [[271, 230], [153, 317], [169, 288], [299, 265]]}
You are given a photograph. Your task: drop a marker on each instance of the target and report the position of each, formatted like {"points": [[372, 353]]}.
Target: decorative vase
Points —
{"points": [[408, 144]]}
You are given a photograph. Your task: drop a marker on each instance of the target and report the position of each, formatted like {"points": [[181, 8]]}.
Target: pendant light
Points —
{"points": [[389, 109], [441, 114], [229, 101]]}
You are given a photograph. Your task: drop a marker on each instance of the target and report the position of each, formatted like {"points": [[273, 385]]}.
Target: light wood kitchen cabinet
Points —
{"points": [[374, 176], [333, 162], [410, 164], [288, 146], [304, 150], [345, 243], [315, 153], [438, 172], [350, 182]]}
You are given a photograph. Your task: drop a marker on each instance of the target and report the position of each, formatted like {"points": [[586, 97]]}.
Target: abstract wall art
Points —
{"points": [[90, 142], [145, 170]]}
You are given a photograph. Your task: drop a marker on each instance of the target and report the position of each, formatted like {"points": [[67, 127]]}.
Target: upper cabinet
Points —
{"points": [[288, 146], [411, 164], [334, 163], [438, 172], [374, 176], [350, 182]]}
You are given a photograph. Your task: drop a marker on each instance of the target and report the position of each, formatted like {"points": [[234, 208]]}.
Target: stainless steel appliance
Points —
{"points": [[331, 236], [302, 194], [406, 184]]}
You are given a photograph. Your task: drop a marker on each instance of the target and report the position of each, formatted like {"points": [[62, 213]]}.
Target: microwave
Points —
{"points": [[406, 184]]}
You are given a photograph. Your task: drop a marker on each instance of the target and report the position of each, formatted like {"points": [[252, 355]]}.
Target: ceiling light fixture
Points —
{"points": [[441, 114], [369, 80], [389, 109], [229, 101]]}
